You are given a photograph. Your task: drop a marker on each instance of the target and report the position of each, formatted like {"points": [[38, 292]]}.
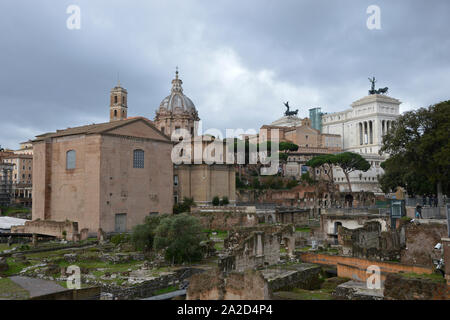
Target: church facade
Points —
{"points": [[199, 180]]}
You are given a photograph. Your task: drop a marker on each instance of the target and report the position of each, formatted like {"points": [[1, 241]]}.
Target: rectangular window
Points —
{"points": [[70, 159], [120, 222], [175, 180], [138, 158]]}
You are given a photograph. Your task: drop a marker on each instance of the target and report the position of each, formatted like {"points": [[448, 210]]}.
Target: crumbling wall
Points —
{"points": [[206, 286], [297, 217], [226, 220], [370, 242], [214, 285], [397, 287], [255, 247], [59, 229], [420, 242]]}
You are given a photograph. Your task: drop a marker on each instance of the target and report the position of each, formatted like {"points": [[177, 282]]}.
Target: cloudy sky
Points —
{"points": [[239, 60]]}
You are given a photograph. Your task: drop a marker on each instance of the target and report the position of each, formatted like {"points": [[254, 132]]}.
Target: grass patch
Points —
{"points": [[302, 294], [218, 246], [4, 246], [14, 267], [220, 234], [303, 229], [9, 290], [435, 277], [7, 211], [165, 290]]}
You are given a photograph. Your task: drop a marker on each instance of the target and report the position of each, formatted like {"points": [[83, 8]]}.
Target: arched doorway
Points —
{"points": [[349, 201]]}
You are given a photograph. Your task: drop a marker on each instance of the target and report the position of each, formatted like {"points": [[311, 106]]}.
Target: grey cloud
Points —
{"points": [[53, 78]]}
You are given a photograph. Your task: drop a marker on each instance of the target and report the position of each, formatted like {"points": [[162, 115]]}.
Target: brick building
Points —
{"points": [[109, 175]]}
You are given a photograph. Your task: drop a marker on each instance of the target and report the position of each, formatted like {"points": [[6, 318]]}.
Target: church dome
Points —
{"points": [[177, 101]]}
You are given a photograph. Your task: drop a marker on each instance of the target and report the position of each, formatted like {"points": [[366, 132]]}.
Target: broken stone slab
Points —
{"points": [[356, 290], [70, 257]]}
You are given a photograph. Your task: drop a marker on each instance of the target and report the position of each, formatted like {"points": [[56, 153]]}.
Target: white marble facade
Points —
{"points": [[361, 128]]}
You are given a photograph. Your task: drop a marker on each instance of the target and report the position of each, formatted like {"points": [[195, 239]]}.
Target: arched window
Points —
{"points": [[138, 158], [115, 113], [115, 99], [71, 156]]}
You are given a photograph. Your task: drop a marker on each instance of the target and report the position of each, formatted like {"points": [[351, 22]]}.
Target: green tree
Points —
{"points": [[349, 162], [419, 149], [143, 235], [216, 201], [225, 201], [306, 178], [184, 206], [288, 146], [291, 184], [179, 236]]}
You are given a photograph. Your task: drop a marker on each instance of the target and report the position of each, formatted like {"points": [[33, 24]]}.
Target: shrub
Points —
{"points": [[239, 183], [143, 235], [225, 201], [120, 238], [215, 201], [291, 184], [184, 206], [180, 237]]}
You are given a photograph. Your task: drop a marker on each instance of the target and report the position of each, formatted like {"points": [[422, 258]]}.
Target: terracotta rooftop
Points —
{"points": [[94, 128]]}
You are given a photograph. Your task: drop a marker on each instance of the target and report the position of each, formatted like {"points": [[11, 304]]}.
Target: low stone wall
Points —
{"points": [[397, 287], [225, 220], [148, 288], [51, 228], [303, 276], [72, 294]]}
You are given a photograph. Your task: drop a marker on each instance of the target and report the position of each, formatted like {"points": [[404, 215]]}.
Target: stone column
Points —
{"points": [[366, 133], [360, 126]]}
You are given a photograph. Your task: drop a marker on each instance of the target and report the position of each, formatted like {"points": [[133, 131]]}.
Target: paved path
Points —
{"points": [[167, 296], [37, 287]]}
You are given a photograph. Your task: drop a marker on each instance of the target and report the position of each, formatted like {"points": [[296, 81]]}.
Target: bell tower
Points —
{"points": [[118, 103]]}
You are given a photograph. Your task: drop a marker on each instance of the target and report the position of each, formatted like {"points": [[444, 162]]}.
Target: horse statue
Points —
{"points": [[372, 89], [289, 113], [382, 90]]}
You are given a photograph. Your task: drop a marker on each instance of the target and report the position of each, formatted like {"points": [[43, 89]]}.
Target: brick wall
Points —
{"points": [[226, 220], [51, 228], [356, 266]]}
